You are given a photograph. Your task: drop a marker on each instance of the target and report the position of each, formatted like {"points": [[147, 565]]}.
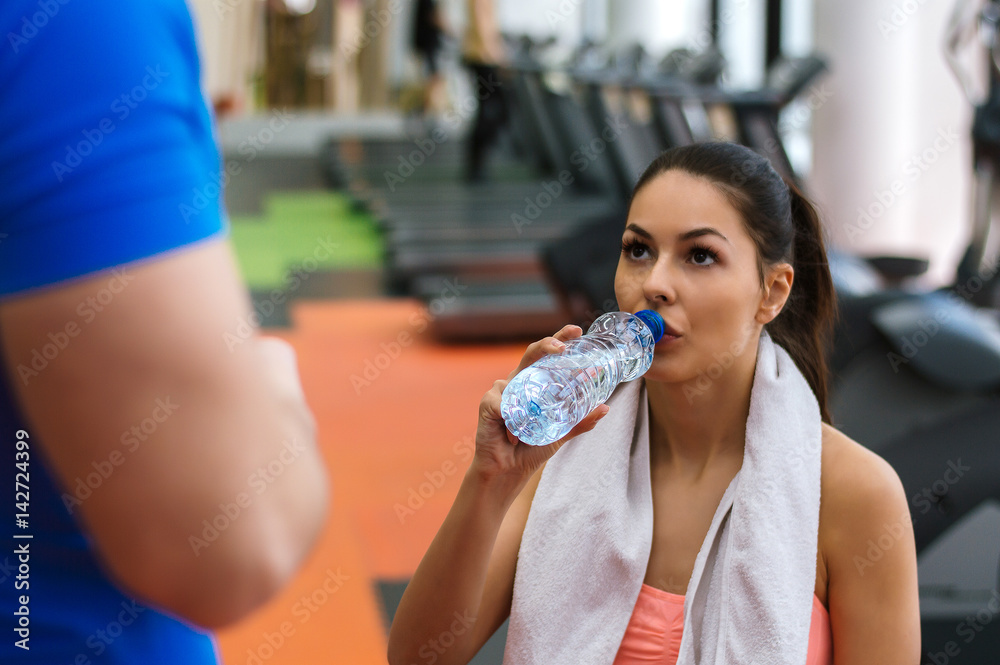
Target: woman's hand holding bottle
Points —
{"points": [[500, 454]]}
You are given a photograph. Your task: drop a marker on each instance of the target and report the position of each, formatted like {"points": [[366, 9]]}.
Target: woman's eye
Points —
{"points": [[702, 257], [634, 250]]}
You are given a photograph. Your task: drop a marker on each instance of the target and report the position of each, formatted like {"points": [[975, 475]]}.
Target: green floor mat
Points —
{"points": [[303, 231]]}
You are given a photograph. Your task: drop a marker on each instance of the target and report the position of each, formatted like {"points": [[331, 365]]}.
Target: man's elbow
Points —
{"points": [[218, 578], [276, 559], [258, 582]]}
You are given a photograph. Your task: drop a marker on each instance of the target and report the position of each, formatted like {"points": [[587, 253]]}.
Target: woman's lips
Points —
{"points": [[669, 335], [669, 332]]}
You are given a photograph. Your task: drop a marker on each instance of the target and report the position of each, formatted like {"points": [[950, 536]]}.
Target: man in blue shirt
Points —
{"points": [[156, 481]]}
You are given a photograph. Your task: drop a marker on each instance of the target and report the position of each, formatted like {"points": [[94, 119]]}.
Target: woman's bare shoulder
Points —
{"points": [[860, 493], [866, 543], [853, 472]]}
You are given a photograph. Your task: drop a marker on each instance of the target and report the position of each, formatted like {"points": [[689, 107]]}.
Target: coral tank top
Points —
{"points": [[654, 631]]}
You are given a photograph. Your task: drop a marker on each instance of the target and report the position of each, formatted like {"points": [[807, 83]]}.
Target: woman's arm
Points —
{"points": [[867, 540], [461, 591]]}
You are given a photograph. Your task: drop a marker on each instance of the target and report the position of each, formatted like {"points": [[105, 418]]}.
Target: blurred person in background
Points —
{"points": [[483, 53], [429, 30], [232, 52], [171, 481]]}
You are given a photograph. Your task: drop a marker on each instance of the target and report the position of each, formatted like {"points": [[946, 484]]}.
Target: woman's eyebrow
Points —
{"points": [[687, 235], [638, 230], [703, 231]]}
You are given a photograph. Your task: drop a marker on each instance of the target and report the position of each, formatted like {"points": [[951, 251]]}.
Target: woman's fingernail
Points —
{"points": [[559, 345]]}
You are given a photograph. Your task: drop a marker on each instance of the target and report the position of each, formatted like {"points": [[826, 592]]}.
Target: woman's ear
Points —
{"points": [[777, 287]]}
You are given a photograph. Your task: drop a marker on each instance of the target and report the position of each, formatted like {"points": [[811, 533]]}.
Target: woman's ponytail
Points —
{"points": [[804, 325]]}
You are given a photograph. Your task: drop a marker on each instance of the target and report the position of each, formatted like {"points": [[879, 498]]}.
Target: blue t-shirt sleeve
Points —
{"points": [[107, 153]]}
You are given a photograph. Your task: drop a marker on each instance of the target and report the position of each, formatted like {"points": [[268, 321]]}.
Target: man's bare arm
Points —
{"points": [[211, 490]]}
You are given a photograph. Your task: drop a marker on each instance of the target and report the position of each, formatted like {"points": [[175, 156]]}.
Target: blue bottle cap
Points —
{"points": [[654, 321]]}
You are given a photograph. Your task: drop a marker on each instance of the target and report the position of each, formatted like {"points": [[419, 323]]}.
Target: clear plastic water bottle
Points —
{"points": [[549, 397]]}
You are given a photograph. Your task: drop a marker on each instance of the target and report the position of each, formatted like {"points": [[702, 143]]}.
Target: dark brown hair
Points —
{"points": [[784, 226]]}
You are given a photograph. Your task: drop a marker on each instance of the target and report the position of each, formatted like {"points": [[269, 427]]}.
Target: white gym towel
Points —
{"points": [[587, 540]]}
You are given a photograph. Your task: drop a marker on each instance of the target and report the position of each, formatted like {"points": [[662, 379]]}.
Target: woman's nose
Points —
{"points": [[659, 283]]}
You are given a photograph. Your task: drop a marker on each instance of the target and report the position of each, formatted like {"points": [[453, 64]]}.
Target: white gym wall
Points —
{"points": [[893, 138]]}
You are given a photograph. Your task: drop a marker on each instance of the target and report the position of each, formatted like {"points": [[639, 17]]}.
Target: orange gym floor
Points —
{"points": [[397, 414]]}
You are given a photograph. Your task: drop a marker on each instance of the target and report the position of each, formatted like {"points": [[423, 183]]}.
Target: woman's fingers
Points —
{"points": [[546, 346], [588, 423], [535, 351], [489, 406], [585, 425], [500, 450], [568, 331]]}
